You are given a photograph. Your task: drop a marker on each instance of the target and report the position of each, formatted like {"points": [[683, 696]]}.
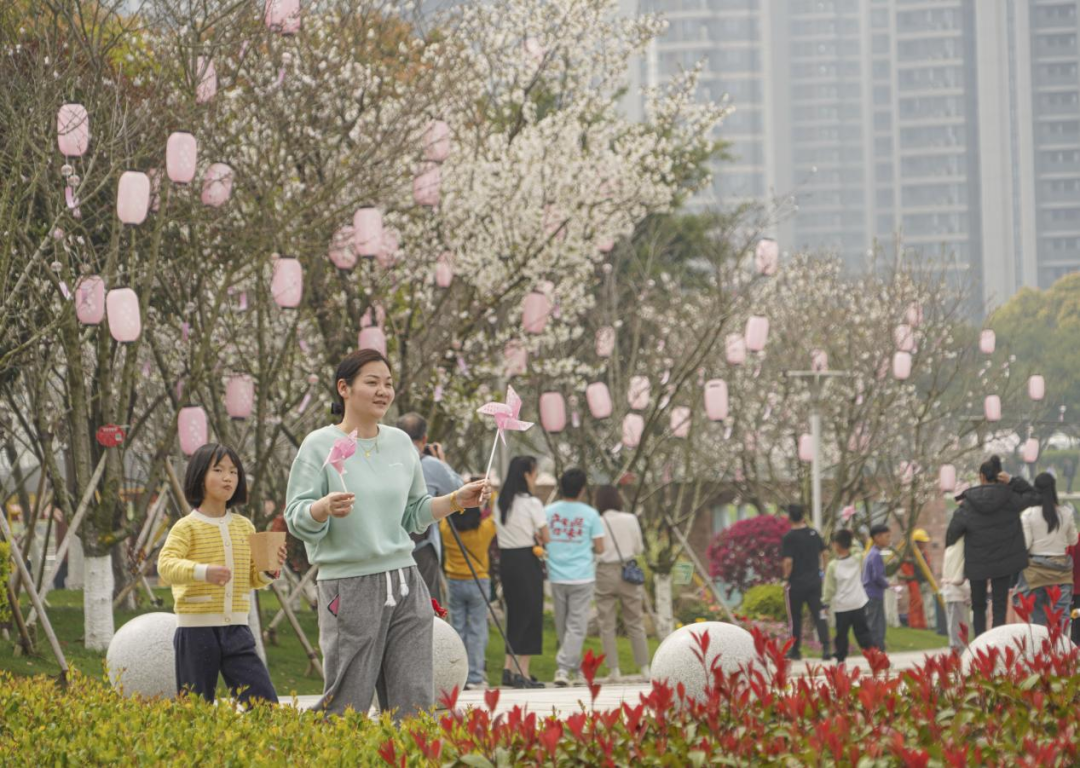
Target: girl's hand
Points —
{"points": [[333, 504], [282, 553], [473, 494], [218, 574]]}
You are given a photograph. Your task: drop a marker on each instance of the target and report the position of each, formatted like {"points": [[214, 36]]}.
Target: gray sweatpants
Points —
{"points": [[875, 620], [571, 622], [375, 639], [957, 613]]}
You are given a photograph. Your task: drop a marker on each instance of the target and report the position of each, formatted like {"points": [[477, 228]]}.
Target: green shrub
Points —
{"points": [[5, 574], [765, 601]]}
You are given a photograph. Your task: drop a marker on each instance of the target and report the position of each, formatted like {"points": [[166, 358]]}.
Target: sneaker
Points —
{"points": [[508, 678], [793, 656], [644, 672], [562, 679], [481, 686], [615, 676], [521, 682]]}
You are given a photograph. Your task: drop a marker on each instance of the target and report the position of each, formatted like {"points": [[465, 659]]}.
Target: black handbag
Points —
{"points": [[631, 571]]}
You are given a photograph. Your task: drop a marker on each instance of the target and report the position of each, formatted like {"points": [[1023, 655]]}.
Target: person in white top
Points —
{"points": [[521, 532], [623, 542], [1049, 531]]}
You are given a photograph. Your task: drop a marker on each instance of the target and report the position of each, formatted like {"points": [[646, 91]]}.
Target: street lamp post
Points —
{"points": [[817, 381]]}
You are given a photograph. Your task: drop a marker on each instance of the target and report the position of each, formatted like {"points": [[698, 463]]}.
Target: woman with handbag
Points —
{"points": [[620, 580]]}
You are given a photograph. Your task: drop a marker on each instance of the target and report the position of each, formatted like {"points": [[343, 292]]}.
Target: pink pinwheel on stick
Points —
{"points": [[506, 418], [343, 448]]}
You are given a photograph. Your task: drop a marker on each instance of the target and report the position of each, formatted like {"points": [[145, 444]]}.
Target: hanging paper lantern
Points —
{"points": [[599, 400], [192, 429], [757, 333], [444, 269], [279, 13], [372, 337], [716, 399], [239, 396], [375, 315], [992, 408], [632, 428], [291, 26], [287, 285], [72, 130], [913, 315], [90, 300], [207, 87], [181, 155], [533, 50], [735, 348], [904, 338], [122, 307], [987, 342], [1036, 387], [133, 197], [901, 365], [819, 360], [437, 141], [552, 412], [605, 341], [767, 256], [947, 478], [341, 249], [908, 469], [388, 252], [426, 185], [217, 185], [607, 245], [535, 311], [367, 231], [1030, 451], [638, 393], [515, 359], [806, 447], [680, 421], [858, 441]]}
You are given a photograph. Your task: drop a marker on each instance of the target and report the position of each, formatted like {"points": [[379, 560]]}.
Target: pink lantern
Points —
{"points": [[947, 478], [341, 249], [375, 315], [599, 399], [388, 253], [757, 333], [633, 427], [72, 130], [533, 49], [437, 141], [638, 393], [207, 75], [904, 338], [987, 342], [122, 307], [291, 25], [287, 285], [554, 223], [535, 311], [901, 365], [1036, 387], [680, 421], [281, 14], [552, 412], [913, 316], [133, 197], [767, 256], [367, 231], [806, 447], [607, 245], [908, 469], [217, 185], [181, 155], [444, 270], [716, 399], [90, 300], [1030, 451], [605, 341], [191, 429], [426, 185], [239, 396], [515, 359], [992, 408], [372, 337], [735, 348], [819, 360]]}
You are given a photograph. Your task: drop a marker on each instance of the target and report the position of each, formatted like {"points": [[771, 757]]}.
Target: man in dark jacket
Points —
{"points": [[994, 551]]}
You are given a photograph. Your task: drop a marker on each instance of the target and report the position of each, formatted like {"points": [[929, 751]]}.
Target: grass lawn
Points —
{"points": [[287, 662]]}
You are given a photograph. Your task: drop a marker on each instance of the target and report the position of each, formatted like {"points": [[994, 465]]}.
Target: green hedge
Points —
{"points": [[765, 601]]}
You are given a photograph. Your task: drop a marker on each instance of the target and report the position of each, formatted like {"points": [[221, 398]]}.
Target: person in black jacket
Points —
{"points": [[988, 520]]}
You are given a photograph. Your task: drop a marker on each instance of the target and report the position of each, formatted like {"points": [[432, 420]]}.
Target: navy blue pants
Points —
{"points": [[204, 652]]}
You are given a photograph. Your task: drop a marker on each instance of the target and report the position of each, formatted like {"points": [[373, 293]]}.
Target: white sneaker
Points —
{"points": [[562, 678], [615, 677], [645, 673]]}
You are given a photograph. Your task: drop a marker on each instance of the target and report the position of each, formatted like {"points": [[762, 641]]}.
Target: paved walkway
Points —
{"points": [[566, 701]]}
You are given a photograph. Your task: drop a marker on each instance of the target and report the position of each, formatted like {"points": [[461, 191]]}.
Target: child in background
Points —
{"points": [[207, 560], [845, 594], [956, 592], [875, 582]]}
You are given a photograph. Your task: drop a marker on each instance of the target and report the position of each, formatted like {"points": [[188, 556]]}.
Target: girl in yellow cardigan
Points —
{"points": [[207, 560]]}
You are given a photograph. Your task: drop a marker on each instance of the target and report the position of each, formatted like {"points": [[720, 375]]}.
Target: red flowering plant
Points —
{"points": [[747, 553]]}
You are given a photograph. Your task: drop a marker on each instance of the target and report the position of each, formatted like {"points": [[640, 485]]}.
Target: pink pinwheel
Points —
{"points": [[506, 418], [344, 448]]}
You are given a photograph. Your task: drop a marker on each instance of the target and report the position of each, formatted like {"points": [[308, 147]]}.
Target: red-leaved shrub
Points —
{"points": [[747, 553]]}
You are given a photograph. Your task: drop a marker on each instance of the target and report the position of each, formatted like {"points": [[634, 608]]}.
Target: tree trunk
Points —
{"points": [[97, 602], [665, 617]]}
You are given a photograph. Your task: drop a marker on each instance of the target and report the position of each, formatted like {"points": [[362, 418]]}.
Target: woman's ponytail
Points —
{"points": [[1047, 488]]}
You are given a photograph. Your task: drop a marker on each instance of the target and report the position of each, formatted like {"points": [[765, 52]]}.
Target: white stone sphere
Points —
{"points": [[1026, 640], [451, 661], [141, 660], [675, 662]]}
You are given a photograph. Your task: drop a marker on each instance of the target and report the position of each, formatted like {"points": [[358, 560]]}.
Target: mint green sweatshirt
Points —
{"points": [[391, 502]]}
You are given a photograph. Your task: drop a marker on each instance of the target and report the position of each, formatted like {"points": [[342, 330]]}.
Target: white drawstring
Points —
{"points": [[404, 585], [390, 602]]}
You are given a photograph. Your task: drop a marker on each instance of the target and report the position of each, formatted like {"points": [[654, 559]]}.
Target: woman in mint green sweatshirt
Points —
{"points": [[375, 613]]}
